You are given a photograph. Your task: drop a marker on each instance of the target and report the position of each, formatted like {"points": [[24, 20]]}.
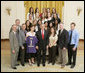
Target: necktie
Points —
{"points": [[43, 34], [70, 37]]}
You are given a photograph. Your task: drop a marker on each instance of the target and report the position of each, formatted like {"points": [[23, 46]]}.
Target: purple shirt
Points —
{"points": [[31, 44]]}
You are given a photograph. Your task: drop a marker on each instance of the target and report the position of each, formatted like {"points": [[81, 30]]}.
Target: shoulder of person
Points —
{"points": [[26, 31], [34, 33], [56, 35], [65, 30], [21, 31], [28, 13], [69, 31], [76, 31], [27, 34], [11, 33]]}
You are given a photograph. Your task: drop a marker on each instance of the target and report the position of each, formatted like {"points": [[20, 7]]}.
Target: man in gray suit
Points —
{"points": [[14, 46], [22, 39]]}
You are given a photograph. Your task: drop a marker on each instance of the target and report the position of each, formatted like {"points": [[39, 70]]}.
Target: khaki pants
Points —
{"points": [[62, 56]]}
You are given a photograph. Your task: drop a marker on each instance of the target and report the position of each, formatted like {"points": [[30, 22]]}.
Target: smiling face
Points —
{"points": [[28, 23], [51, 24], [42, 26], [48, 10], [37, 15], [54, 11], [32, 28], [54, 15], [17, 22], [72, 26], [46, 24], [52, 30], [23, 26], [49, 15], [14, 27], [61, 26], [30, 16]]}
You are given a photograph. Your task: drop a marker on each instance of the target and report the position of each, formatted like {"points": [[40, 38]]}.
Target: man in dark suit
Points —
{"points": [[42, 44], [22, 43], [62, 44]]}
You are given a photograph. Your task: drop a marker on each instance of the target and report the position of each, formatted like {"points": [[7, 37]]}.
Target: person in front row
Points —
{"points": [[52, 46], [72, 46], [14, 46], [31, 41], [62, 44], [42, 45], [22, 40]]}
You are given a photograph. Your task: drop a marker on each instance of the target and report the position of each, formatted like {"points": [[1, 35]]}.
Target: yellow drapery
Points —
{"points": [[44, 4]]}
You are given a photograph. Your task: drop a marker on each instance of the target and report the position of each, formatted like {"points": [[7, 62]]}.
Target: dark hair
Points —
{"points": [[30, 10], [31, 26], [48, 8], [27, 27], [23, 24], [36, 10], [54, 9], [54, 31], [73, 24], [17, 20], [38, 21], [51, 22], [45, 22], [26, 22]]}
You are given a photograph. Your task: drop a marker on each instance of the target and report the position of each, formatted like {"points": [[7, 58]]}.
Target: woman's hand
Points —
{"points": [[50, 45]]}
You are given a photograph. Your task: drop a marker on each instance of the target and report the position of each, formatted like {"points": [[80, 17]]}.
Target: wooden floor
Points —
{"points": [[5, 44], [5, 62]]}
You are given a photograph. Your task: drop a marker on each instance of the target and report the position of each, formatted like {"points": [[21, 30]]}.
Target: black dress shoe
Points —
{"points": [[44, 65], [17, 65], [14, 68], [68, 64], [22, 64], [62, 66], [49, 62], [72, 66], [53, 63], [38, 65]]}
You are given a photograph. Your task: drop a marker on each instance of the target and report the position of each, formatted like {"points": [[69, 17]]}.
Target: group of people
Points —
{"points": [[43, 36]]}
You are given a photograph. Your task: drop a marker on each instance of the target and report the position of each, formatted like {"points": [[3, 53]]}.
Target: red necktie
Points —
{"points": [[43, 34]]}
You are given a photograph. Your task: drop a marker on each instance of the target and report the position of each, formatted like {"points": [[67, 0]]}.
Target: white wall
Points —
{"points": [[17, 11], [70, 15]]}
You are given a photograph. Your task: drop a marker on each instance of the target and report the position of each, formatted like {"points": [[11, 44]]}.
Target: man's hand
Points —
{"points": [[47, 46], [13, 51], [22, 47], [37, 47], [74, 49], [64, 48]]}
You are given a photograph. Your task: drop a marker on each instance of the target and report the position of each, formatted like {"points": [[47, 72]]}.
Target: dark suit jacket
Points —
{"points": [[42, 43], [63, 39]]}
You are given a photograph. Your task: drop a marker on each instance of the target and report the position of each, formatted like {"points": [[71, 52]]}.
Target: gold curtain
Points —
{"points": [[44, 4]]}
